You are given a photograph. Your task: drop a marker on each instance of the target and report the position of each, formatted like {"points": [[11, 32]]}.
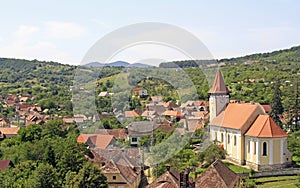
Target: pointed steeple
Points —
{"points": [[218, 86]]}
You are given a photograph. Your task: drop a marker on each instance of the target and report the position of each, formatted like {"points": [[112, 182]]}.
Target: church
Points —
{"points": [[245, 131]]}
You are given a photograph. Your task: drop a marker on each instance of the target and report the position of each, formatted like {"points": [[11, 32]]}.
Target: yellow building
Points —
{"points": [[248, 135]]}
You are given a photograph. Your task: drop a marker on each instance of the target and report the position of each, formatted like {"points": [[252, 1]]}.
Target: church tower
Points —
{"points": [[219, 96]]}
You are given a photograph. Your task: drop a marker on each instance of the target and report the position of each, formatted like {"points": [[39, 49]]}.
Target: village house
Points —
{"points": [[122, 167], [248, 135], [8, 132], [139, 129], [4, 122], [139, 92]]}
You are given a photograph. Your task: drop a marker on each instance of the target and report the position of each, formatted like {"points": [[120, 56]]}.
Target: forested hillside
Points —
{"points": [[250, 78]]}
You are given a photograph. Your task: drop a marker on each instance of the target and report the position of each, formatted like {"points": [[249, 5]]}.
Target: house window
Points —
{"points": [[228, 139], [134, 139], [234, 140], [114, 177], [216, 136], [222, 137], [264, 153], [254, 148], [249, 146]]}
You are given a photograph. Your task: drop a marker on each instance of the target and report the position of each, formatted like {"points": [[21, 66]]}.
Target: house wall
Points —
{"points": [[120, 182]]}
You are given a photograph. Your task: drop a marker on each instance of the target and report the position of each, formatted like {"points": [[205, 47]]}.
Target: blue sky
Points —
{"points": [[64, 31]]}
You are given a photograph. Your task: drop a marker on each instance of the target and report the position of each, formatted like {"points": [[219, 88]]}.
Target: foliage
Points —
{"points": [[89, 176], [44, 156], [294, 146]]}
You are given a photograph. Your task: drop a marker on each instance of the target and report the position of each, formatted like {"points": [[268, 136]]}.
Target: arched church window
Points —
{"points": [[222, 137], [228, 139], [254, 148], [265, 147], [248, 146], [234, 140]]}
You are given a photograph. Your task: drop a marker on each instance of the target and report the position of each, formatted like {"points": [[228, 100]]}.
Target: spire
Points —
{"points": [[219, 86]]}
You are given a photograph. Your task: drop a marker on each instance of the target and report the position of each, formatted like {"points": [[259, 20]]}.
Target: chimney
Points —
{"points": [[168, 167], [184, 179]]}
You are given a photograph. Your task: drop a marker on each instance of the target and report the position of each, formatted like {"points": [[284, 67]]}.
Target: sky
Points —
{"points": [[64, 31]]}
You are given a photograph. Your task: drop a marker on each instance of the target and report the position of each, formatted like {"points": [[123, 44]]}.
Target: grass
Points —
{"points": [[280, 181], [236, 168]]}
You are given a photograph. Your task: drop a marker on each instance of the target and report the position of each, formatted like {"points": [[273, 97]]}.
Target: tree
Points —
{"points": [[277, 108], [89, 176], [44, 176], [212, 153]]}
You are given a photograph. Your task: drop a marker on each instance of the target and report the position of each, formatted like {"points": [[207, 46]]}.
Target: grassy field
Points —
{"points": [[235, 168], [280, 181]]}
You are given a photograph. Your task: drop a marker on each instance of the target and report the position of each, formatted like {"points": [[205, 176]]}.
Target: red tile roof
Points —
{"points": [[267, 107], [217, 175], [4, 164], [9, 130], [117, 133], [172, 113], [265, 127], [130, 114], [219, 86], [96, 140], [236, 116], [100, 141]]}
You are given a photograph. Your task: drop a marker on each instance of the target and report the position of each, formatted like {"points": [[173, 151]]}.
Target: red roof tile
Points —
{"points": [[236, 115], [130, 114], [4, 164], [265, 127]]}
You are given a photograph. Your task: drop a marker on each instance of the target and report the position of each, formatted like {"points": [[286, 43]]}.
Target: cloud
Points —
{"points": [[29, 42], [64, 30]]}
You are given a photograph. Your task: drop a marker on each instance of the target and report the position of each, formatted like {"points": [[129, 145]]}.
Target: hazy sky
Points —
{"points": [[64, 31]]}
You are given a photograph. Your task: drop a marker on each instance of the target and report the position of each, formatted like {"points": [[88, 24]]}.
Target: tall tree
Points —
{"points": [[276, 104]]}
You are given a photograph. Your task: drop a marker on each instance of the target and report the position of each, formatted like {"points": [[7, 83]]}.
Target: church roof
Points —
{"points": [[236, 116], [265, 127], [219, 86]]}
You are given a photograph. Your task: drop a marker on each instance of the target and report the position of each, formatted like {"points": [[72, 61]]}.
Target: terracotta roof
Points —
{"points": [[236, 115], [172, 113], [82, 138], [265, 127], [130, 114], [100, 141], [267, 107], [137, 89], [4, 164], [117, 133], [9, 130], [219, 86], [217, 175]]}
